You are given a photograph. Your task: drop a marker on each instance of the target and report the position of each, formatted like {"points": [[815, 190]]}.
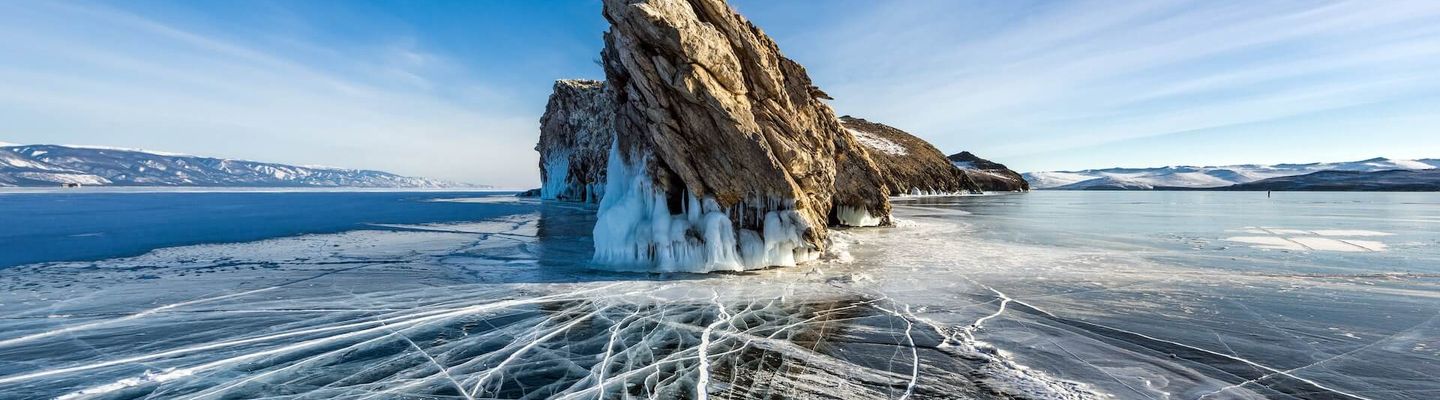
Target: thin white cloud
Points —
{"points": [[78, 72], [1034, 78]]}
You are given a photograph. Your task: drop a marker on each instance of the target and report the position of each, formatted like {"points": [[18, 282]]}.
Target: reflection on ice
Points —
{"points": [[944, 306]]}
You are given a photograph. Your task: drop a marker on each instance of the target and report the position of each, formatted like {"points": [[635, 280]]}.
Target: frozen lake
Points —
{"points": [[1065, 295]]}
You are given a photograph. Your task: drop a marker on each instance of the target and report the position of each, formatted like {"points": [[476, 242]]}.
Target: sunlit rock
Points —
{"points": [[908, 164], [725, 157], [575, 136], [989, 175]]}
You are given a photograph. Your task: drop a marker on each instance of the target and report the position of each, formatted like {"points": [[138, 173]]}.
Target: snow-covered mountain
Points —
{"points": [[52, 165], [1413, 180], [1205, 177]]}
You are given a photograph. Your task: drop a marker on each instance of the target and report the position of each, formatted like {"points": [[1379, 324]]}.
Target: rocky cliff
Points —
{"points": [[575, 136], [989, 175], [725, 157], [908, 164]]}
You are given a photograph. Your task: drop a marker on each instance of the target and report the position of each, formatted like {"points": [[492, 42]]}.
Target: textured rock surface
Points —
{"points": [[990, 175], [575, 136], [713, 122], [908, 164]]}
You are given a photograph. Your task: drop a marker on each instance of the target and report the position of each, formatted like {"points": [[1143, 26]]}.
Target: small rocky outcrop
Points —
{"points": [[908, 164], [725, 157], [575, 136], [990, 176]]}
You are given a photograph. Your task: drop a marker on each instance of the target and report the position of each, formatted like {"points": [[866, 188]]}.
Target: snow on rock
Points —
{"points": [[908, 164], [880, 144], [575, 136]]}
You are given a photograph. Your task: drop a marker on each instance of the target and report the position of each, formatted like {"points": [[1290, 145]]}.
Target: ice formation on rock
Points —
{"points": [[637, 228], [575, 134]]}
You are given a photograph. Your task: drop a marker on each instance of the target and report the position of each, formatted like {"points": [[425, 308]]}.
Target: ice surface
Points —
{"points": [[1005, 296]]}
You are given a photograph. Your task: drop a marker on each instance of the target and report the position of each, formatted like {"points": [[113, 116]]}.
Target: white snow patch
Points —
{"points": [[481, 200], [1339, 240], [21, 163], [1328, 244], [1267, 242], [61, 177], [880, 144], [1349, 232], [149, 377]]}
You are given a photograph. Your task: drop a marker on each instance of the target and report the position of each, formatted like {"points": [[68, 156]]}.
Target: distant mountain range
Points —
{"points": [[55, 165], [1312, 176]]}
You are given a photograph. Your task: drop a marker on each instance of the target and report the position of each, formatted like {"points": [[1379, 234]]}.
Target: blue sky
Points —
{"points": [[455, 89]]}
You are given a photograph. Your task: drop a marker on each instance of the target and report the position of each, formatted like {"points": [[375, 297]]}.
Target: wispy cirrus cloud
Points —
{"points": [[89, 73], [454, 90], [1087, 84]]}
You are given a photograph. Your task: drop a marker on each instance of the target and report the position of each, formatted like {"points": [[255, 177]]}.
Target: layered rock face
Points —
{"points": [[724, 158], [909, 165], [990, 176], [575, 136]]}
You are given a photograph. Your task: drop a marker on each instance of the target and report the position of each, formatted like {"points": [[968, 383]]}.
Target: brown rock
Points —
{"points": [[575, 136], [713, 123], [909, 165], [990, 176]]}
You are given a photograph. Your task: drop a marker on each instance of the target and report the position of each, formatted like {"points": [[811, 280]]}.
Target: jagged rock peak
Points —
{"points": [[908, 164], [575, 136], [990, 175], [975, 161], [725, 157]]}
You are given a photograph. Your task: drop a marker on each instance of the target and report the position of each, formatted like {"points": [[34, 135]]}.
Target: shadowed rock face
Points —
{"points": [[909, 165], [712, 115], [575, 136], [989, 175]]}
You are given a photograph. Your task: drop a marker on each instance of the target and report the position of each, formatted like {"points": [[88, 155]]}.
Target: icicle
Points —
{"points": [[635, 228]]}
